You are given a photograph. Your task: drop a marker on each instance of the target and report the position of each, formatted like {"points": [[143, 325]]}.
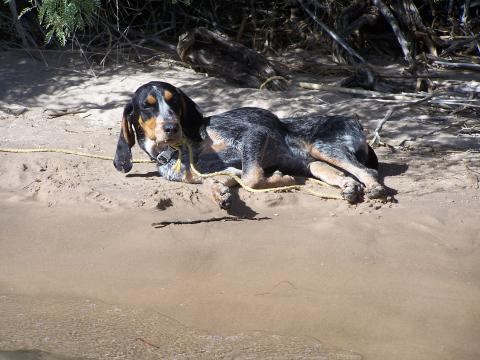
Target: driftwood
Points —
{"points": [[163, 224], [215, 53]]}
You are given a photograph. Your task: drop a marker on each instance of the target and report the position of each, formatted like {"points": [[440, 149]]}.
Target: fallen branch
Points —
{"points": [[468, 66], [389, 113], [58, 113], [215, 53], [272, 78], [345, 90], [456, 44], [332, 34], [387, 14], [411, 98], [18, 26], [463, 87], [163, 224]]}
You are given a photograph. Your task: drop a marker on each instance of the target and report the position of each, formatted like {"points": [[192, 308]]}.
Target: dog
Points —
{"points": [[248, 142]]}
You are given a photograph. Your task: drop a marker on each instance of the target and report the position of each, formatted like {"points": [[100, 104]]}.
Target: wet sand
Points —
{"points": [[401, 281], [84, 274]]}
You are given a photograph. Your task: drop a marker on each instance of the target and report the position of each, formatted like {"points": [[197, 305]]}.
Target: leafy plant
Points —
{"points": [[63, 17]]}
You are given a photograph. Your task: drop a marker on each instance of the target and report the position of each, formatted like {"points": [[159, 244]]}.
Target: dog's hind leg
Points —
{"points": [[351, 189], [343, 159], [260, 151]]}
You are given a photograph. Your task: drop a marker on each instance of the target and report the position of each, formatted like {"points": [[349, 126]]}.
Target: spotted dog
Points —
{"points": [[248, 142]]}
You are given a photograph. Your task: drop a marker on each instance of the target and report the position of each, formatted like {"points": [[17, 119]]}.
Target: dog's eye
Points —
{"points": [[168, 95], [150, 101]]}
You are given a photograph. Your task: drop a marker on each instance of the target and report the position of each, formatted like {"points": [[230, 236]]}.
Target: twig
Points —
{"points": [[58, 113], [468, 66], [466, 8], [163, 224], [18, 26], [332, 34], [456, 102], [345, 90], [147, 343], [389, 113], [412, 98], [85, 57], [271, 78]]}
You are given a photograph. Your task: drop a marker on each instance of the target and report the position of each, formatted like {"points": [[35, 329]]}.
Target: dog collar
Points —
{"points": [[166, 155]]}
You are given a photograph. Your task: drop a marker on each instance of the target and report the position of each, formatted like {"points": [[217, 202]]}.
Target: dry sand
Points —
{"points": [[84, 274]]}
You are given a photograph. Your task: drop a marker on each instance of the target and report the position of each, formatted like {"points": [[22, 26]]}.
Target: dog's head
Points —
{"points": [[160, 115]]}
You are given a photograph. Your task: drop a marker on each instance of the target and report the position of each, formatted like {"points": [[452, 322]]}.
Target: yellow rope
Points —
{"points": [[195, 171], [66, 151]]}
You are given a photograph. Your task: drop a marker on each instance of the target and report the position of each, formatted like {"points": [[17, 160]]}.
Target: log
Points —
{"points": [[215, 53]]}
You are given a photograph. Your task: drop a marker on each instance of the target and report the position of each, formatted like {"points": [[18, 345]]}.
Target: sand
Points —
{"points": [[84, 274]]}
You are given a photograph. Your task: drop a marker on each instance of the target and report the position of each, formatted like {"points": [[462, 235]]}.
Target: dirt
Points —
{"points": [[84, 274]]}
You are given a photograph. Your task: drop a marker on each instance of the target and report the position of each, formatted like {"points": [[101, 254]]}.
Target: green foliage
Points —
{"points": [[63, 17]]}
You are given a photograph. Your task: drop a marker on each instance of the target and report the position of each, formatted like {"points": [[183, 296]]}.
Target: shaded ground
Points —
{"points": [[84, 274]]}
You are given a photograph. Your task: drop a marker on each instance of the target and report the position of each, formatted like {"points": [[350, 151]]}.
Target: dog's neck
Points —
{"points": [[173, 162]]}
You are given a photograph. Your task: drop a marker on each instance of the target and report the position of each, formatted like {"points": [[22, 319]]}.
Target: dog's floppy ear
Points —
{"points": [[192, 118], [123, 155]]}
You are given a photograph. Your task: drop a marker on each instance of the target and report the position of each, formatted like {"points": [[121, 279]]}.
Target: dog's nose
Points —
{"points": [[170, 129]]}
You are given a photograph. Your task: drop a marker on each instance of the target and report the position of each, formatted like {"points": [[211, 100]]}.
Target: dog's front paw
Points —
{"points": [[221, 195], [352, 191]]}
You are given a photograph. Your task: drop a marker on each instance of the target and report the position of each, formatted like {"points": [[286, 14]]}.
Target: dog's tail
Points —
{"points": [[372, 160]]}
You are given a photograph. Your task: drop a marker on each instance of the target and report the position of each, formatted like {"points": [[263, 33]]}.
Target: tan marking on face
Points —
{"points": [[151, 100], [167, 95], [149, 127]]}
